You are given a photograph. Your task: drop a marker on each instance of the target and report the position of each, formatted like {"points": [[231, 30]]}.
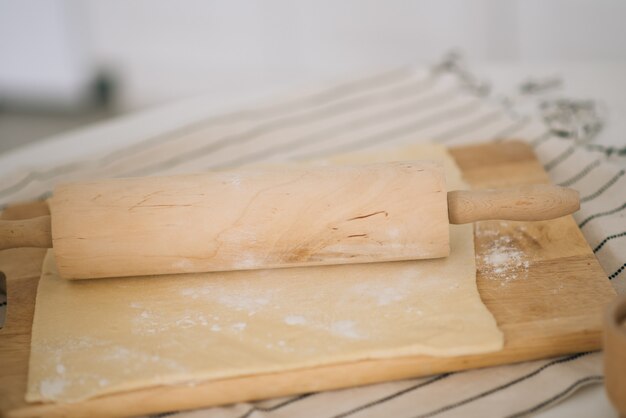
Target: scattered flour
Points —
{"points": [[243, 302], [345, 329], [51, 388], [294, 320], [246, 300], [60, 369], [388, 291], [119, 352], [239, 326], [133, 359], [185, 322], [502, 259], [152, 323]]}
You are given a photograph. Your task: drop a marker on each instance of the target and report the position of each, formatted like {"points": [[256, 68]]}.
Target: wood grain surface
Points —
{"points": [[553, 307], [533, 202], [250, 219]]}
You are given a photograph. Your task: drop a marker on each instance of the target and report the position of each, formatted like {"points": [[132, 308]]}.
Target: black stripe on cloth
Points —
{"points": [[316, 99], [559, 396], [251, 410], [392, 396], [468, 127], [541, 139], [395, 132], [390, 134], [560, 158], [581, 174], [502, 386], [507, 132], [319, 98], [602, 189], [601, 214], [617, 272], [607, 151], [325, 134], [256, 131], [275, 407], [607, 239]]}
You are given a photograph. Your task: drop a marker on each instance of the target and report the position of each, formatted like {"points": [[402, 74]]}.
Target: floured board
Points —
{"points": [[541, 281]]}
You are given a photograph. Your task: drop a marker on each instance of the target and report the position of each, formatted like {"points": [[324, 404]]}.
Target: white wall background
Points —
{"points": [[165, 49]]}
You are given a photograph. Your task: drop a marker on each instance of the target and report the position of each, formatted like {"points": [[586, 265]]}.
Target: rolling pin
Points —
{"points": [[267, 218]]}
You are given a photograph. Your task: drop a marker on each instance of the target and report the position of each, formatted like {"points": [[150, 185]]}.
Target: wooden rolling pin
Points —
{"points": [[267, 218]]}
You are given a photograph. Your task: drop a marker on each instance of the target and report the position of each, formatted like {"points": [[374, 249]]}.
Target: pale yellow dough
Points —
{"points": [[103, 336]]}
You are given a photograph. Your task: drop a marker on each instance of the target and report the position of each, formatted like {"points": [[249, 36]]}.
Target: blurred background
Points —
{"points": [[67, 63]]}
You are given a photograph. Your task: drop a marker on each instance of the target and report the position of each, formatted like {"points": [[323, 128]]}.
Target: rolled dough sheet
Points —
{"points": [[98, 337]]}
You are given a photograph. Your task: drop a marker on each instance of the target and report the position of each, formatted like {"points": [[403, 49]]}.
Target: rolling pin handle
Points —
{"points": [[34, 232], [539, 202]]}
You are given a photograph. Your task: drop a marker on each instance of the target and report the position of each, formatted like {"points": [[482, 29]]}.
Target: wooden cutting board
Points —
{"points": [[547, 303]]}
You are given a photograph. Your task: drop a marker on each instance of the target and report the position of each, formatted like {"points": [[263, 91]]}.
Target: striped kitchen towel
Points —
{"points": [[388, 110]]}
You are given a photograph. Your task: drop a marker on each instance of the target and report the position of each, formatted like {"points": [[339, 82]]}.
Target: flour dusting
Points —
{"points": [[502, 259], [239, 326], [185, 322], [51, 388], [388, 291], [250, 303], [294, 320], [345, 329], [150, 322], [245, 300]]}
